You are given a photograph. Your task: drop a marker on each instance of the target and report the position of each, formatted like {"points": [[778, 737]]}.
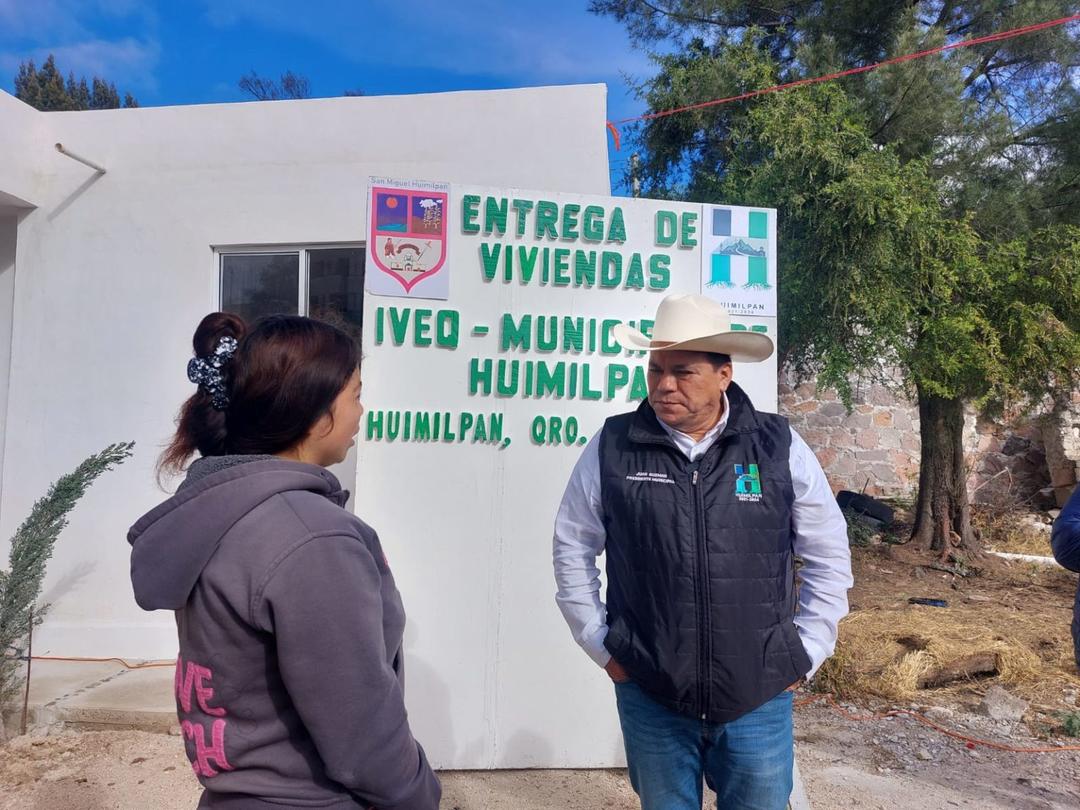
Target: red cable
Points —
{"points": [[121, 661], [1000, 35], [614, 134]]}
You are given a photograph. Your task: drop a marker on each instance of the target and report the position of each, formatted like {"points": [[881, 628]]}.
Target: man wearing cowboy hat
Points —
{"points": [[702, 503]]}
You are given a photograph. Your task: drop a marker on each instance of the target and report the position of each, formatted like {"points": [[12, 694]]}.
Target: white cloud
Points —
{"points": [[64, 19], [525, 43], [550, 51], [31, 20], [129, 63], [64, 29]]}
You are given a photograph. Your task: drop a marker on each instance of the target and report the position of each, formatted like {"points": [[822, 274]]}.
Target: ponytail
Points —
{"points": [[200, 427], [264, 392]]}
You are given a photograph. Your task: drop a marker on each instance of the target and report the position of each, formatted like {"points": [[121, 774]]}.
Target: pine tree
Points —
{"points": [[82, 95], [27, 87], [46, 90], [78, 92], [53, 95], [31, 548], [104, 96]]}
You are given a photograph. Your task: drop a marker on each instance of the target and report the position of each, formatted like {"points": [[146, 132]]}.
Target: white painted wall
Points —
{"points": [[115, 272], [22, 134], [8, 231]]}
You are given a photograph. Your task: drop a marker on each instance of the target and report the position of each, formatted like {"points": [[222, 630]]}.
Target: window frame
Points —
{"points": [[301, 249]]}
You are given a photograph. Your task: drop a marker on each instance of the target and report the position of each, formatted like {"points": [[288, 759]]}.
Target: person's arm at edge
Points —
{"points": [[821, 541], [579, 539]]}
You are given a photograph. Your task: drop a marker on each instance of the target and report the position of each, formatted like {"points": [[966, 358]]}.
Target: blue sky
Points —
{"points": [[194, 51]]}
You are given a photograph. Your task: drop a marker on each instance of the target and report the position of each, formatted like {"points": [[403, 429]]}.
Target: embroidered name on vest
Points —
{"points": [[651, 477], [747, 483]]}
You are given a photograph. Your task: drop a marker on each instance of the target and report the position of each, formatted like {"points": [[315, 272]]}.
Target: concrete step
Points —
{"points": [[97, 696]]}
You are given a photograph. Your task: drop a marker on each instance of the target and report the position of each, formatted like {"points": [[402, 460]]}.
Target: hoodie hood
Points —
{"points": [[171, 544]]}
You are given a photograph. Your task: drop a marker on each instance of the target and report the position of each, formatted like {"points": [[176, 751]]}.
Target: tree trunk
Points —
{"points": [[942, 513]]}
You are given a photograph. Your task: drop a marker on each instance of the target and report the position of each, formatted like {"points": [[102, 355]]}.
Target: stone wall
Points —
{"points": [[1007, 461], [1061, 438], [875, 448]]}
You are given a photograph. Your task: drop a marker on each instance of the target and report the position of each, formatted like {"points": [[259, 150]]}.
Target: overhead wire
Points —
{"points": [[613, 126]]}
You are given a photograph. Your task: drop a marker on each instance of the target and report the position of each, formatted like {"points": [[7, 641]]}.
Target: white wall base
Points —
{"points": [[144, 641]]}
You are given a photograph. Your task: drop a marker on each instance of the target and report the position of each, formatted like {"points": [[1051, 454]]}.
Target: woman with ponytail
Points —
{"points": [[289, 681]]}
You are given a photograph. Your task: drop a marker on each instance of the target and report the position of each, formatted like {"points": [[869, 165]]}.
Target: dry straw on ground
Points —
{"points": [[1014, 532], [891, 653]]}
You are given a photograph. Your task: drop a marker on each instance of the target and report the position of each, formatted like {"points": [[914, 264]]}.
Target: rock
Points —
{"points": [[1015, 445], [923, 754], [1037, 523], [835, 409], [999, 704], [940, 713], [1053, 513], [58, 774]]}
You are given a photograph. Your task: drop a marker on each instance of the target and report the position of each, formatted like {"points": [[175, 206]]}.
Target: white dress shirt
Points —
{"points": [[820, 541]]}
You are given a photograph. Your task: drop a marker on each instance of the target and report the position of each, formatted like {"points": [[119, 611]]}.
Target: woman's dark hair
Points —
{"points": [[285, 374]]}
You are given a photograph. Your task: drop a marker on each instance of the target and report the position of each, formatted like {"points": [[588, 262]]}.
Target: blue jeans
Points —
{"points": [[748, 762]]}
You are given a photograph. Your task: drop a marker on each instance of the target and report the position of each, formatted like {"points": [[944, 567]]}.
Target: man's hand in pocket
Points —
{"points": [[616, 672]]}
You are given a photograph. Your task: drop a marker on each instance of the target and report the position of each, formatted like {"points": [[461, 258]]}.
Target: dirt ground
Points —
{"points": [[876, 765], [879, 764], [1016, 613]]}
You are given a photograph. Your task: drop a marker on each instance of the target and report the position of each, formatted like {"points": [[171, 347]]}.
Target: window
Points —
{"points": [[325, 282], [258, 284], [335, 289]]}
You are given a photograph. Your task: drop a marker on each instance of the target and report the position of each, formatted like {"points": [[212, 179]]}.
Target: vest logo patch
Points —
{"points": [[651, 478], [747, 483]]}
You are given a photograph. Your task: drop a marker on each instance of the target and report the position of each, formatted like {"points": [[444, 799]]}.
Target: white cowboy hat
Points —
{"points": [[694, 323]]}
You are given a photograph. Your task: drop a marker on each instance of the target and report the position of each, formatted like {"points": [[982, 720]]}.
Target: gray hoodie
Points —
{"points": [[289, 679]]}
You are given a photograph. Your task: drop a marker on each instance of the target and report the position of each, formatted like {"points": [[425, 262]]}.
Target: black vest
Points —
{"points": [[700, 572]]}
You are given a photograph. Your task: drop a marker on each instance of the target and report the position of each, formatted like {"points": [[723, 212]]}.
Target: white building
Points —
{"points": [[103, 277]]}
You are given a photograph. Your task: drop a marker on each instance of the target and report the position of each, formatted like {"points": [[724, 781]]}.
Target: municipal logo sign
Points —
{"points": [[408, 235]]}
